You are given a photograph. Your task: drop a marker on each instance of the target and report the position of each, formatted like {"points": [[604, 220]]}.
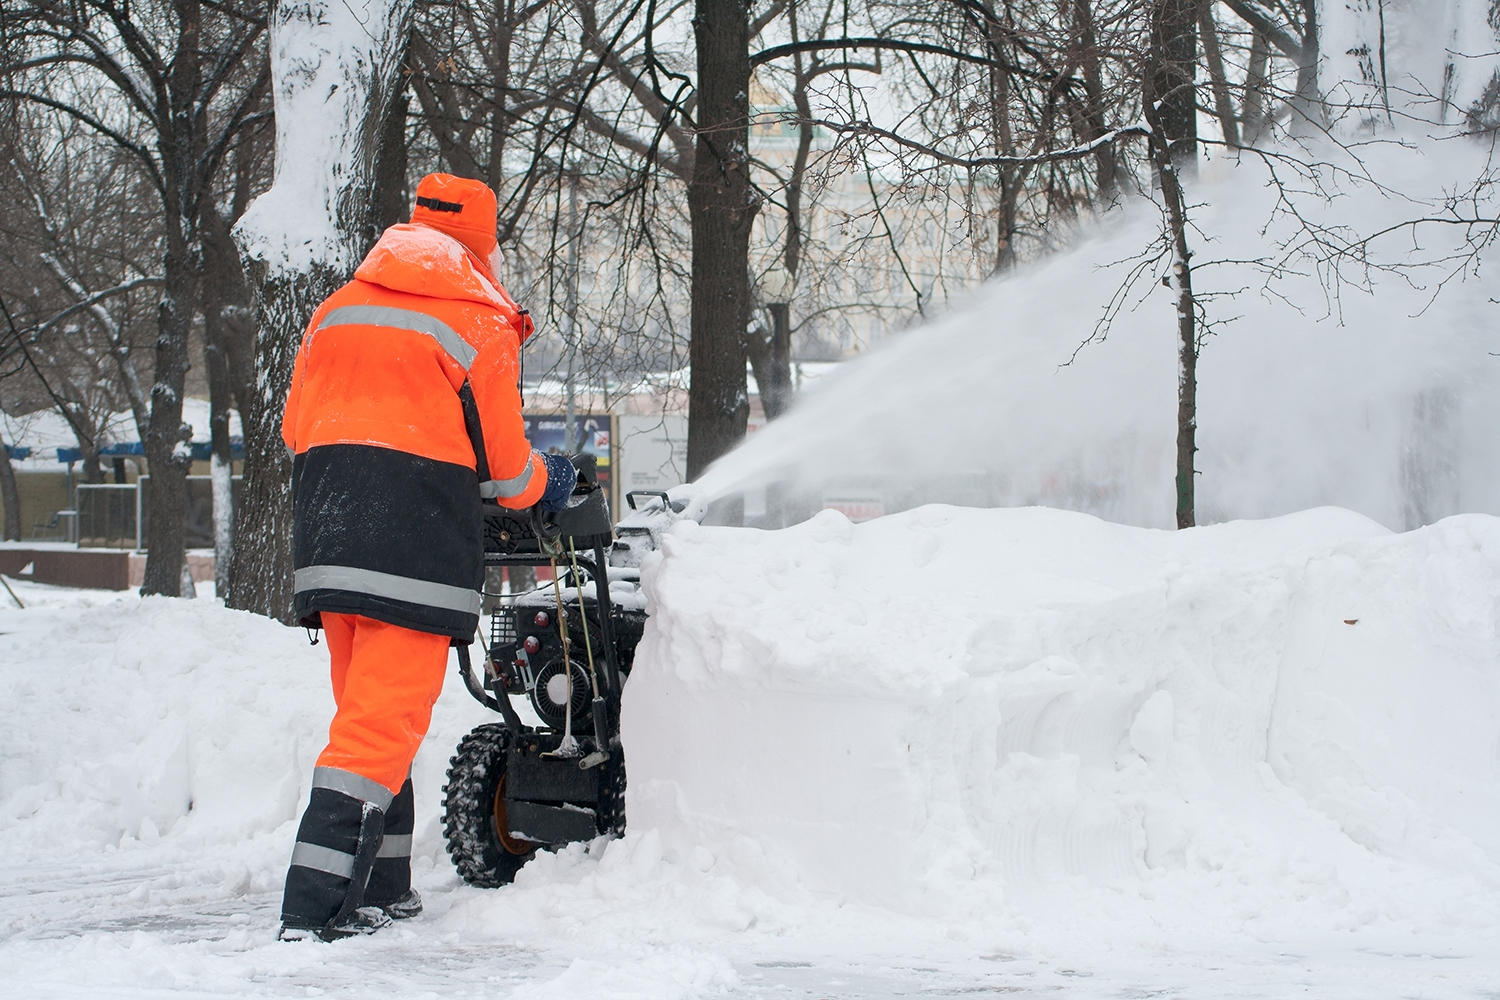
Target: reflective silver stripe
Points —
{"points": [[395, 845], [400, 588], [356, 786], [323, 859], [404, 319], [505, 489]]}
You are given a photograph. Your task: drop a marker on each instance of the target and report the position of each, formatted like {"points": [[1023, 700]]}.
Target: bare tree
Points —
{"points": [[1213, 59], [1171, 78], [1042, 95], [162, 80], [1290, 27], [721, 204], [81, 243], [229, 332], [1170, 155]]}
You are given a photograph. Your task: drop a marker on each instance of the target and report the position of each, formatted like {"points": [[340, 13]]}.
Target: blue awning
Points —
{"points": [[202, 451]]}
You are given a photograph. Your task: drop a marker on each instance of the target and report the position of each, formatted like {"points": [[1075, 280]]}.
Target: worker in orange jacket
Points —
{"points": [[404, 414]]}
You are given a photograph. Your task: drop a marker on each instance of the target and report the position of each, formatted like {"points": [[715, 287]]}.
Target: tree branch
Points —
{"points": [[143, 154], [1053, 156], [91, 302], [891, 44], [1266, 23]]}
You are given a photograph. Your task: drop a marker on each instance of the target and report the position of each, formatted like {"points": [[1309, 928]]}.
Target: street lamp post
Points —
{"points": [[777, 286]]}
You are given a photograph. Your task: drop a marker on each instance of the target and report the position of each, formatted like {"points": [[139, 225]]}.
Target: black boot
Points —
{"points": [[390, 879], [336, 846]]}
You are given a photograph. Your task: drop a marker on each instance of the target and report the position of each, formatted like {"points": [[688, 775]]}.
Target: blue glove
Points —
{"points": [[561, 478]]}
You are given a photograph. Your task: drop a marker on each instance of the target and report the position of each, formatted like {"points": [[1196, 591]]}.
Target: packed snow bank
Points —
{"points": [[1131, 753], [133, 723], [1265, 727], [157, 717]]}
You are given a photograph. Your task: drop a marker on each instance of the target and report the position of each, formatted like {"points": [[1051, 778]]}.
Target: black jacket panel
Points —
{"points": [[388, 535]]}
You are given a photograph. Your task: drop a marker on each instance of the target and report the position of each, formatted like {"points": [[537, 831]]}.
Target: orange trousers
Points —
{"points": [[385, 681]]}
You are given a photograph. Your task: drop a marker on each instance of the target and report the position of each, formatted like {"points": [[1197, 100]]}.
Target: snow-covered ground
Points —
{"points": [[946, 752]]}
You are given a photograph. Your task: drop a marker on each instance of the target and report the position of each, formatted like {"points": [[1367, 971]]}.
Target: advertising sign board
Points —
{"points": [[548, 433], [653, 452], [856, 508]]}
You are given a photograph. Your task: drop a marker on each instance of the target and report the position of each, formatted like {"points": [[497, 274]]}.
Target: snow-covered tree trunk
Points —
{"points": [[333, 66], [1308, 109], [10, 497], [228, 340], [1172, 77], [168, 443], [1173, 146], [221, 458]]}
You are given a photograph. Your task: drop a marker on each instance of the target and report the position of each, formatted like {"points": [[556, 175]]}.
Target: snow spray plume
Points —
{"points": [[1311, 392]]}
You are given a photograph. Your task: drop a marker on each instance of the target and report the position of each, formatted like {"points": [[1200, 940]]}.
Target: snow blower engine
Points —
{"points": [[564, 649]]}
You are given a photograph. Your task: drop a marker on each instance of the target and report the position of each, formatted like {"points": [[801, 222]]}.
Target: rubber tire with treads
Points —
{"points": [[475, 777], [612, 801]]}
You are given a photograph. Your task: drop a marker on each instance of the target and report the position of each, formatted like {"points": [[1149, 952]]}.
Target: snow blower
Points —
{"points": [[566, 648]]}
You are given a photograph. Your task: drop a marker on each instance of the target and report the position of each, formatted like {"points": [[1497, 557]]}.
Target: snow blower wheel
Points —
{"points": [[474, 820], [567, 646]]}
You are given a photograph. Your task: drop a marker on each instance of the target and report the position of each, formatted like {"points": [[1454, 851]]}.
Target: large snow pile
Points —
{"points": [[943, 752], [129, 721], [1271, 729]]}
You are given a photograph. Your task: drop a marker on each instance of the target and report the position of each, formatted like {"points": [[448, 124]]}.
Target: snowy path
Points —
{"points": [[153, 932], [158, 923], [157, 930], [155, 918]]}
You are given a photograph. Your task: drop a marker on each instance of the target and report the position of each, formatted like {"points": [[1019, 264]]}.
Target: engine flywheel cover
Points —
{"points": [[550, 693]]}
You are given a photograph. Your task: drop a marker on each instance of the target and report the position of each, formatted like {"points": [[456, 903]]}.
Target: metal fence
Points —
{"points": [[109, 516], [112, 516]]}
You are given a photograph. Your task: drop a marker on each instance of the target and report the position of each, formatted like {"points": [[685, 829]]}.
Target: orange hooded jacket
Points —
{"points": [[404, 411]]}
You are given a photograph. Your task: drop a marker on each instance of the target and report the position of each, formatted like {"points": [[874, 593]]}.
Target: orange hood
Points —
{"points": [[420, 260]]}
